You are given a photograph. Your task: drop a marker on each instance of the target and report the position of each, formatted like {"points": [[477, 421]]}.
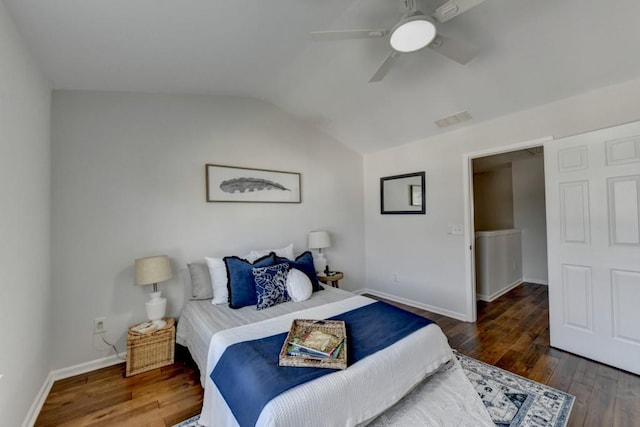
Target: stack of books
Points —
{"points": [[315, 344]]}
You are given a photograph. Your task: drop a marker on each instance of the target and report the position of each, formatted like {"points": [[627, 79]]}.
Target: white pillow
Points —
{"points": [[218, 273], [286, 252], [299, 286]]}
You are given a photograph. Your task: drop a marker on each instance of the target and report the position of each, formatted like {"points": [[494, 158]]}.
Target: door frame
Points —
{"points": [[469, 229]]}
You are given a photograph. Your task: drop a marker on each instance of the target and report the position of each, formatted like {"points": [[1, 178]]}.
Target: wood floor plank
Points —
{"points": [[586, 372], [627, 400], [562, 376], [181, 409], [602, 403], [117, 415], [168, 386], [67, 383], [608, 371], [543, 369], [582, 394]]}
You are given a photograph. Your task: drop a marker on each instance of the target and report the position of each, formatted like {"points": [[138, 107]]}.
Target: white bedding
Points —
{"points": [[446, 398], [200, 320], [344, 398]]}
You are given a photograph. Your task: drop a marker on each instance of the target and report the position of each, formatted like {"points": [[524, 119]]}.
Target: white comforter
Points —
{"points": [[343, 398]]}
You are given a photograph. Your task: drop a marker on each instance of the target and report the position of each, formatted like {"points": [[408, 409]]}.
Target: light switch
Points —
{"points": [[456, 229]]}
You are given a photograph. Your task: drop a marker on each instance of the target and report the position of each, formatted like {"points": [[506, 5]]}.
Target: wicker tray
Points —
{"points": [[335, 327]]}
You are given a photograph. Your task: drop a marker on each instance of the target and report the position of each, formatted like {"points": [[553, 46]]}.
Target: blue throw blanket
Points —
{"points": [[248, 376]]}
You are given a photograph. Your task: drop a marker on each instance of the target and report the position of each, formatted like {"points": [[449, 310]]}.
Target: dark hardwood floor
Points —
{"points": [[511, 332]]}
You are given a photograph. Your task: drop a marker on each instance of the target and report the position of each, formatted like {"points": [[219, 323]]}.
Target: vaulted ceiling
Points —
{"points": [[530, 52]]}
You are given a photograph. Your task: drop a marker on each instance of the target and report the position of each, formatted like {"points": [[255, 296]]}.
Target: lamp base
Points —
{"points": [[156, 308], [320, 263]]}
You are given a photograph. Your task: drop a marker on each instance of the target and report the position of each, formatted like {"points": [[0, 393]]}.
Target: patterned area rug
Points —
{"points": [[512, 401], [516, 401]]}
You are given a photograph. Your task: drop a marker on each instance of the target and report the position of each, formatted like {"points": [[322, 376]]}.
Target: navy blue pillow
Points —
{"points": [[241, 283], [271, 285], [304, 263]]}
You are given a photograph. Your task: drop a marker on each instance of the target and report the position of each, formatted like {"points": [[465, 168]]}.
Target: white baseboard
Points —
{"points": [[496, 295], [536, 281], [63, 373], [82, 368], [36, 406], [427, 307]]}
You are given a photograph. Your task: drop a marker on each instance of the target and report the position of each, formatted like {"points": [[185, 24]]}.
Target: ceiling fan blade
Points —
{"points": [[385, 67], [348, 34], [454, 49], [453, 8]]}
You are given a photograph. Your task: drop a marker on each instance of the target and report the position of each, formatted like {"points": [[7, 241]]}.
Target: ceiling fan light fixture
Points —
{"points": [[412, 33]]}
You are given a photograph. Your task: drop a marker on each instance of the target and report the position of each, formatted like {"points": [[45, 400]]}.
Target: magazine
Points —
{"points": [[317, 342], [294, 350]]}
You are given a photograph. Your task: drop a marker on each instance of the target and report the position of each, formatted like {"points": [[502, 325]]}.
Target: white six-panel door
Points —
{"points": [[593, 238]]}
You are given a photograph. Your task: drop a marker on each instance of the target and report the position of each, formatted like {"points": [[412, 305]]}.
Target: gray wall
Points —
{"points": [[429, 261], [530, 216], [24, 227], [128, 182]]}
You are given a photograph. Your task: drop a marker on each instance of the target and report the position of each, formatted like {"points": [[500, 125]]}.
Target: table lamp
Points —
{"points": [[319, 240], [153, 270]]}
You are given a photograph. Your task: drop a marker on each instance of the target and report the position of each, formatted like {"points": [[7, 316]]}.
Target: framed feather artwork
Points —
{"points": [[236, 184]]}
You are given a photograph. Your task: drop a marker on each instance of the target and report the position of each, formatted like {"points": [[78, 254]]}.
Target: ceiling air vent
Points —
{"points": [[453, 119], [536, 151]]}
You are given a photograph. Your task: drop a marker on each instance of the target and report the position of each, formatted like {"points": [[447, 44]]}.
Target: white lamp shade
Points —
{"points": [[318, 240], [153, 269]]}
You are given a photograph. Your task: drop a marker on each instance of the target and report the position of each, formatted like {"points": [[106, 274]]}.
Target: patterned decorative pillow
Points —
{"points": [[241, 283], [271, 285]]}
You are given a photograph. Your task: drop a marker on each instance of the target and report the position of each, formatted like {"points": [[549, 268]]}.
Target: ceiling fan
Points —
{"points": [[414, 31]]}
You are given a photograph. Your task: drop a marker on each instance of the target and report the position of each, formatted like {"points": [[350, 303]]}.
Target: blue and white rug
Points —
{"points": [[515, 401], [511, 400]]}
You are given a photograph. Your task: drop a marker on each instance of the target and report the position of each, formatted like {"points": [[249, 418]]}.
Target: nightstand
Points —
{"points": [[147, 351], [332, 280]]}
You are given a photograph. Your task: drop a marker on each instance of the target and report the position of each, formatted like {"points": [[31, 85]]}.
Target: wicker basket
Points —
{"points": [[335, 327], [152, 350]]}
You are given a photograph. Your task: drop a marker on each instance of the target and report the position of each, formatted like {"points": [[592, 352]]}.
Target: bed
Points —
{"points": [[402, 384]]}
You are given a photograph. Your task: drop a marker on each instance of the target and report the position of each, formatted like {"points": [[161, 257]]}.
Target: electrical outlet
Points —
{"points": [[396, 277], [99, 325]]}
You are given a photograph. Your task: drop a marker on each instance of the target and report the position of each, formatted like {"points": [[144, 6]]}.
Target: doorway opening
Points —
{"points": [[506, 221]]}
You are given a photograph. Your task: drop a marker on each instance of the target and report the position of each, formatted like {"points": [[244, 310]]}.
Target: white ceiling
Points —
{"points": [[531, 52]]}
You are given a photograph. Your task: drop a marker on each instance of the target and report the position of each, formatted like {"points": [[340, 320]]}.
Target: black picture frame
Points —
{"points": [[397, 195]]}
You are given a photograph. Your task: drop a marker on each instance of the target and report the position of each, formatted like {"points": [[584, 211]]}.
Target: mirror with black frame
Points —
{"points": [[403, 194]]}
